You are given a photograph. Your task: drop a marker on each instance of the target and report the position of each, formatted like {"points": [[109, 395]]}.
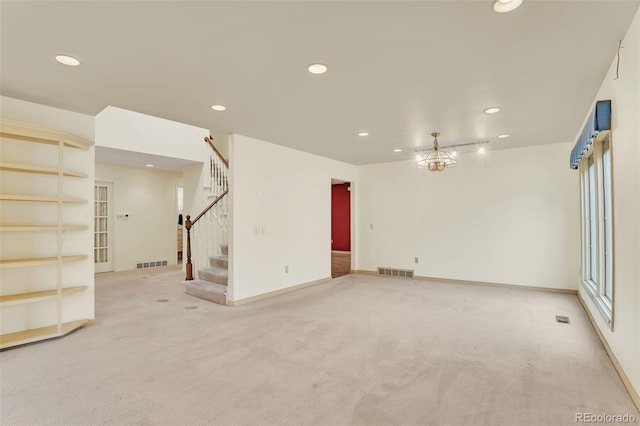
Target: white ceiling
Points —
{"points": [[399, 70]]}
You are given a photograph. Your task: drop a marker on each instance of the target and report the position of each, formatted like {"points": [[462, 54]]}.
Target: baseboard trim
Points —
{"points": [[363, 272], [262, 296], [481, 283], [616, 364], [89, 322]]}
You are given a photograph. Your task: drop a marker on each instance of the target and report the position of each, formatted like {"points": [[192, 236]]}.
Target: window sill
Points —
{"points": [[604, 309]]}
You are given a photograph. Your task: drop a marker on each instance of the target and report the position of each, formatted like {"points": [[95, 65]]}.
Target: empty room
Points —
{"points": [[320, 212]]}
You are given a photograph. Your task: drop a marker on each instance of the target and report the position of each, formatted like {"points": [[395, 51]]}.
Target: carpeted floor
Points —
{"points": [[357, 350]]}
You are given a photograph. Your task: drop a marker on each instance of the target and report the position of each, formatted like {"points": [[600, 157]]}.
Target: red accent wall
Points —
{"points": [[341, 217]]}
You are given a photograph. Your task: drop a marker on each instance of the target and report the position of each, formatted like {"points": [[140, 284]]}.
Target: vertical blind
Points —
{"points": [[599, 120]]}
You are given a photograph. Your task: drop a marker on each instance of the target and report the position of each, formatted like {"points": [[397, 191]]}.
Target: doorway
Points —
{"points": [[103, 229], [180, 205], [340, 228]]}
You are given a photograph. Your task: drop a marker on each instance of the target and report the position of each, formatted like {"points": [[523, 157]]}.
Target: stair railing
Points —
{"points": [[215, 212]]}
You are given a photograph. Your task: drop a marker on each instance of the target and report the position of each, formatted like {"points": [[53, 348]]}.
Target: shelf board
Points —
{"points": [[18, 263], [41, 170], [37, 296], [43, 228], [35, 334], [40, 198], [31, 133]]}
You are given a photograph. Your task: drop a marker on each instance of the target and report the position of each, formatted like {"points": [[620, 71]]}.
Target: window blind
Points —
{"points": [[599, 120]]}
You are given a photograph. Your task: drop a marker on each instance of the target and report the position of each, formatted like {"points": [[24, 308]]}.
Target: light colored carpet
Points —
{"points": [[357, 350]]}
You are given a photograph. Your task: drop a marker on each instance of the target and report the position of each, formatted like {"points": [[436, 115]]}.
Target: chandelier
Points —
{"points": [[436, 160]]}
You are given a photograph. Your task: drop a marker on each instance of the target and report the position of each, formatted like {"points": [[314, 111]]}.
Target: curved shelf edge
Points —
{"points": [[37, 296], [41, 170], [17, 263], [40, 198], [32, 133], [43, 228], [35, 334]]}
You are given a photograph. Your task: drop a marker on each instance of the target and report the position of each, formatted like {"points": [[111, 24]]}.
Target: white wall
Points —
{"points": [[79, 305], [131, 131], [281, 208], [624, 93], [149, 197], [508, 217]]}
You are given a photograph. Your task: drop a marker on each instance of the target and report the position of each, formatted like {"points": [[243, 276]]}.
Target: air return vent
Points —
{"points": [[143, 265], [394, 272]]}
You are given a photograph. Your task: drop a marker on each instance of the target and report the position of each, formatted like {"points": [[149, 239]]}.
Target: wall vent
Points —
{"points": [[145, 264], [562, 319], [394, 272]]}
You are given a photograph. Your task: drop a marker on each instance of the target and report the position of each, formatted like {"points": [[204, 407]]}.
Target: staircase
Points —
{"points": [[211, 284]]}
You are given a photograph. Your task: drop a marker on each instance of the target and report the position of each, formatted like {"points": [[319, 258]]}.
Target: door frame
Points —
{"points": [[109, 265], [352, 221]]}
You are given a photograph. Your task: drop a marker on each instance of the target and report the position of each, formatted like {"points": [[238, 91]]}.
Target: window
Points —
{"points": [[597, 218]]}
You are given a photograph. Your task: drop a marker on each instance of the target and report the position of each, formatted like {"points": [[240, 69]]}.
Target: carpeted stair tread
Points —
{"points": [[214, 274], [221, 261], [206, 290], [225, 249]]}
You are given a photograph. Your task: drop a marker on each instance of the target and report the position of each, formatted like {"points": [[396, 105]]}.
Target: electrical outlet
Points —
{"points": [[371, 226], [416, 259], [286, 269]]}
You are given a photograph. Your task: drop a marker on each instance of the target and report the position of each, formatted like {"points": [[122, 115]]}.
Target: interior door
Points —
{"points": [[103, 227], [340, 217]]}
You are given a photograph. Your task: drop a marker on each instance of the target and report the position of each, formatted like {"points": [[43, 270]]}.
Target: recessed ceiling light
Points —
{"points": [[317, 68], [502, 6], [218, 107], [397, 150], [481, 150], [149, 165], [503, 136], [67, 60], [363, 134], [492, 110]]}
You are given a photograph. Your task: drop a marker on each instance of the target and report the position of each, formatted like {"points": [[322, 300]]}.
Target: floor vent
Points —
{"points": [[394, 272], [143, 265], [562, 320]]}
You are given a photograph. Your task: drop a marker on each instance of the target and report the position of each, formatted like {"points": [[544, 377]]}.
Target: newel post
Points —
{"points": [[189, 266]]}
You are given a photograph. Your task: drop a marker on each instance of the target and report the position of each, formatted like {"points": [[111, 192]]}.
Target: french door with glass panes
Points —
{"points": [[103, 232]]}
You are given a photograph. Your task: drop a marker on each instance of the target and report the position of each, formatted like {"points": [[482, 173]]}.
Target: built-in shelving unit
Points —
{"points": [[54, 288]]}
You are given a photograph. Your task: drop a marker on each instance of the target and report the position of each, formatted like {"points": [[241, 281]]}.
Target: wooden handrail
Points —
{"points": [[206, 209], [208, 140], [188, 224]]}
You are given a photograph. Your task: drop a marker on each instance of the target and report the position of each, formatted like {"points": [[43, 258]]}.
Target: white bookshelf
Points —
{"points": [[32, 204]]}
